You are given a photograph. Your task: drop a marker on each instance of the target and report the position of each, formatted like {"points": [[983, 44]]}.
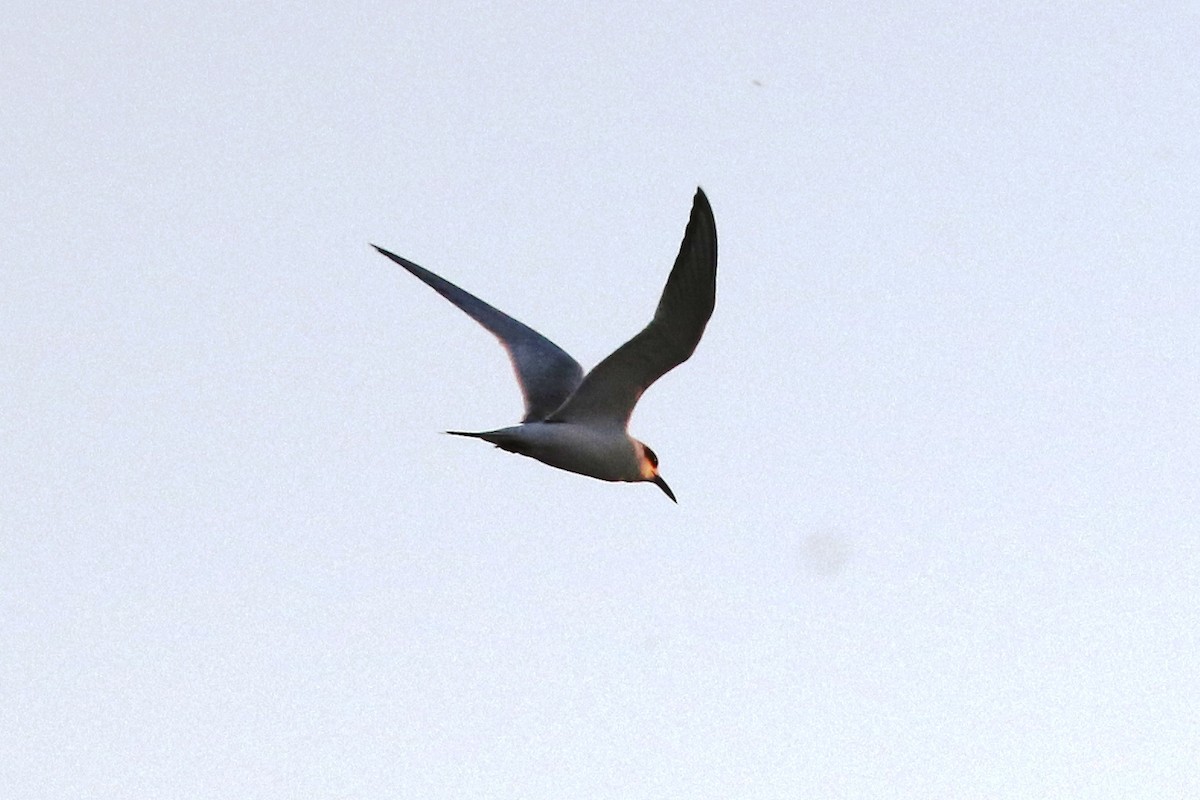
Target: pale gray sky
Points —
{"points": [[936, 456]]}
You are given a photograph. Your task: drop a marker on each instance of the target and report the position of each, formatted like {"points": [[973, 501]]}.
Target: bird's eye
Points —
{"points": [[650, 456]]}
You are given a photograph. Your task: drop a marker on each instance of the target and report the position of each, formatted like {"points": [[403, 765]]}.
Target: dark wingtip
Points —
{"points": [[408, 265], [702, 214]]}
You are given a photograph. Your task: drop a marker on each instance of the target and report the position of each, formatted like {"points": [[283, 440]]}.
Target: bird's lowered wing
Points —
{"points": [[546, 374]]}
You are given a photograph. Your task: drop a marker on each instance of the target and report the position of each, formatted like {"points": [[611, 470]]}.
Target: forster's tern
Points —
{"points": [[578, 423]]}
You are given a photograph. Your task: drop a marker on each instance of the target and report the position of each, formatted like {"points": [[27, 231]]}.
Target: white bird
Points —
{"points": [[579, 423]]}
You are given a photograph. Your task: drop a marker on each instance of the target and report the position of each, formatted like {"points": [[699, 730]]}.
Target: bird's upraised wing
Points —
{"points": [[611, 390], [546, 374]]}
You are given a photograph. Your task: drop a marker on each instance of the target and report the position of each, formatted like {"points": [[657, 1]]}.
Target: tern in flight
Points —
{"points": [[576, 422]]}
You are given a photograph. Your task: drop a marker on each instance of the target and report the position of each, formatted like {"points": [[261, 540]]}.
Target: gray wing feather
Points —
{"points": [[611, 390], [546, 374]]}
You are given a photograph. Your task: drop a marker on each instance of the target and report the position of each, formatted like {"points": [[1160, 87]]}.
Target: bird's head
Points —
{"points": [[648, 466]]}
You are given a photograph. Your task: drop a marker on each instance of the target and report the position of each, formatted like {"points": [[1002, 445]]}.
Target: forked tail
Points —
{"points": [[503, 440]]}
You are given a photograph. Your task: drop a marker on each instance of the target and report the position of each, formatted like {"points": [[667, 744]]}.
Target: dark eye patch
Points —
{"points": [[650, 455]]}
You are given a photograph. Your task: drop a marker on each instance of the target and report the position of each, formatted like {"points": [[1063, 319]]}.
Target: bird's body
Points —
{"points": [[607, 453], [576, 422]]}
